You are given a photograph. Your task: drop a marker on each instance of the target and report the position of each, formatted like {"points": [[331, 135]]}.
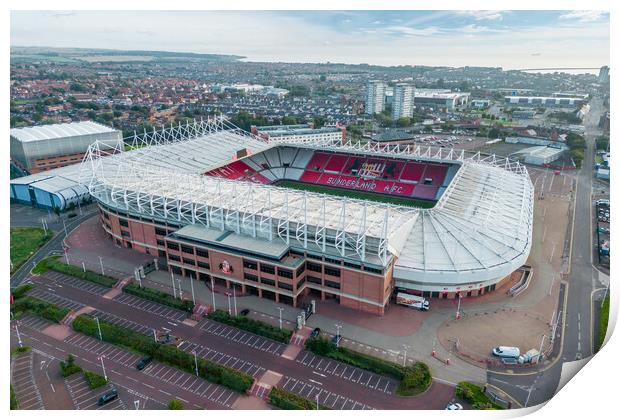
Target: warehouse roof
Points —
{"points": [[56, 131]]}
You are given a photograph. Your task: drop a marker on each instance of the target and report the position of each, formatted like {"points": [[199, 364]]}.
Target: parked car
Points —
{"points": [[454, 406], [315, 333], [142, 363], [244, 312], [107, 397], [506, 352]]}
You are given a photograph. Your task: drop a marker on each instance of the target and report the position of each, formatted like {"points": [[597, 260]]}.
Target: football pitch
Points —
{"points": [[359, 195]]}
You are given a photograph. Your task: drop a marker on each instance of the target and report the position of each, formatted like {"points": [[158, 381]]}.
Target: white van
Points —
{"points": [[507, 352]]}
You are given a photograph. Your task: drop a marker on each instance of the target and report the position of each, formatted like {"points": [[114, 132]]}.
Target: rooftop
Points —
{"points": [[56, 131]]}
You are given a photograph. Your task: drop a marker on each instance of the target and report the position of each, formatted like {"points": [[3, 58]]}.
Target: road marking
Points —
{"points": [[320, 374], [316, 382]]}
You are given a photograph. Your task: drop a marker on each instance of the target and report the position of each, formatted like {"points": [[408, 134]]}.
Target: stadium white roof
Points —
{"points": [[56, 131], [479, 230]]}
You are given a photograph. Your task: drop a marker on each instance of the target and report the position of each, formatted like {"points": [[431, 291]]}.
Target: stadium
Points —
{"points": [[298, 218]]}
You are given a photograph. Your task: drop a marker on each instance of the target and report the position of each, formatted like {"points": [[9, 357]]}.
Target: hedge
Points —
{"points": [[22, 349], [54, 264], [69, 367], [603, 321], [159, 297], [14, 403], [21, 290], [288, 401], [94, 380], [475, 396], [165, 353], [413, 379], [416, 380], [324, 347], [251, 325], [29, 304]]}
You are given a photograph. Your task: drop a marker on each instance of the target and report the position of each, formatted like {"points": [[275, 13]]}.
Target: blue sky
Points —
{"points": [[510, 39]]}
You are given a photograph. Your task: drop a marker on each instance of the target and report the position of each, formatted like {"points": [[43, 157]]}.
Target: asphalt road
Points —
{"points": [[539, 386], [350, 390]]}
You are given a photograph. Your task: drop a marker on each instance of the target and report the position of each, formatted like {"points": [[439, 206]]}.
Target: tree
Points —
{"points": [[175, 405], [288, 120], [403, 122], [319, 122]]}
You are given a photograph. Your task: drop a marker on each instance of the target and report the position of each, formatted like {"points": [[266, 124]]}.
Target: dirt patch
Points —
{"points": [[478, 333], [250, 403], [57, 331]]}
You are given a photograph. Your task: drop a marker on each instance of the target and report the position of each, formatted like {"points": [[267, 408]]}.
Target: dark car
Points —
{"points": [[336, 339], [245, 312], [108, 396], [315, 333], [142, 363]]}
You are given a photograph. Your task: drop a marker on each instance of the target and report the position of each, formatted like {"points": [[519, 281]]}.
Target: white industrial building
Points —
{"points": [[45, 147]]}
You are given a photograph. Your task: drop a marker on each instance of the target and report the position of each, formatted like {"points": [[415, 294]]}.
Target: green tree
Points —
{"points": [[175, 405], [288, 120], [319, 122], [403, 122]]}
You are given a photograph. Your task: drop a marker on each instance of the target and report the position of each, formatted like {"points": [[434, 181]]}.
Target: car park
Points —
{"points": [[142, 363], [107, 397]]}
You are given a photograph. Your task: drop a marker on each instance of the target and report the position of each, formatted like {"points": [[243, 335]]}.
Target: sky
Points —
{"points": [[508, 39]]}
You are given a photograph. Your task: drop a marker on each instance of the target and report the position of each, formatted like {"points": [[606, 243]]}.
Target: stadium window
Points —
{"points": [[252, 265], [435, 294], [351, 265], [373, 270], [161, 254], [187, 249], [250, 277], [204, 265], [269, 269], [174, 257], [106, 215], [161, 243], [189, 261], [172, 245], [332, 271], [301, 283], [268, 282], [160, 231], [333, 261], [123, 222], [125, 234], [315, 257], [176, 270], [313, 267], [285, 273], [202, 253], [300, 271], [332, 284], [285, 286], [315, 280], [299, 254]]}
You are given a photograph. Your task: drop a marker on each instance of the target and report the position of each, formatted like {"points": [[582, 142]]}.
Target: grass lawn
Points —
{"points": [[359, 195], [25, 241], [603, 320]]}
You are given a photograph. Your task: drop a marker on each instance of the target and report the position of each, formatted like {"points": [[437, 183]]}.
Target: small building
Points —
{"points": [[602, 173]]}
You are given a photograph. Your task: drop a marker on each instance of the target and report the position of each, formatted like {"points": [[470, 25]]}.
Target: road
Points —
{"points": [[54, 245], [540, 385]]}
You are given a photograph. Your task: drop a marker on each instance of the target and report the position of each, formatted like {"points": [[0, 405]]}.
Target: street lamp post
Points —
{"points": [[99, 328], [64, 227], [229, 309], [196, 362], [280, 310], [19, 337], [541, 346], [213, 292], [338, 334], [317, 400], [191, 282], [180, 290], [103, 368], [83, 267], [458, 309], [405, 355], [528, 395], [235, 299], [174, 290], [66, 256], [101, 265]]}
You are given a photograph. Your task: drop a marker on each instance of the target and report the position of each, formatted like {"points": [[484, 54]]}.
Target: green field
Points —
{"points": [[359, 195], [25, 241], [603, 322]]}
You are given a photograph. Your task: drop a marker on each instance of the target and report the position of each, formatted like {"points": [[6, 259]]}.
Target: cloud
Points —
{"points": [[409, 31], [483, 14], [476, 29], [584, 16]]}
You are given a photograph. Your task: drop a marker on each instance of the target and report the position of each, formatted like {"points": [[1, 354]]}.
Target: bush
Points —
{"points": [[288, 401], [253, 326], [40, 308], [159, 297], [54, 264], [417, 379], [22, 349], [475, 396], [14, 403], [175, 405], [94, 380], [21, 290], [323, 347], [165, 353], [69, 367]]}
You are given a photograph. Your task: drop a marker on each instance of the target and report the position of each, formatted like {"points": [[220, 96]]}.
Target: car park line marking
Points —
{"points": [[316, 382]]}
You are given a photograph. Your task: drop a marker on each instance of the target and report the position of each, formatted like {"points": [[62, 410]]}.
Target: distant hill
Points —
{"points": [[93, 55]]}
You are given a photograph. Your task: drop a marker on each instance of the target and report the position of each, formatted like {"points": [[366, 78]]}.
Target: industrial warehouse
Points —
{"points": [[208, 201]]}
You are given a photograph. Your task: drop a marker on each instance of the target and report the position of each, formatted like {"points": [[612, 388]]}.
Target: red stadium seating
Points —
{"points": [[309, 176], [436, 172], [336, 163], [318, 161], [426, 192], [413, 171]]}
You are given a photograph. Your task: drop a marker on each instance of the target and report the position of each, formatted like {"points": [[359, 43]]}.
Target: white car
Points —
{"points": [[454, 406]]}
